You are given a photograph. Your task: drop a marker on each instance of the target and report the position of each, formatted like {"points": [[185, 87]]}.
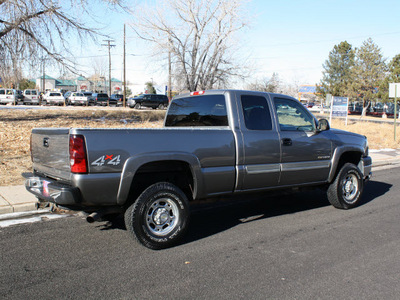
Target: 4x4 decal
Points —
{"points": [[107, 159]]}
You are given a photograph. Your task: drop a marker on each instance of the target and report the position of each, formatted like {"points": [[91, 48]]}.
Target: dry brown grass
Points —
{"points": [[16, 126], [380, 135]]}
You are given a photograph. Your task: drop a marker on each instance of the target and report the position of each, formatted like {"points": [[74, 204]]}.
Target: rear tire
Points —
{"points": [[159, 217], [346, 190]]}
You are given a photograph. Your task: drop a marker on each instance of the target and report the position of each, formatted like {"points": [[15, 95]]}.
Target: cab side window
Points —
{"points": [[256, 112], [292, 116]]}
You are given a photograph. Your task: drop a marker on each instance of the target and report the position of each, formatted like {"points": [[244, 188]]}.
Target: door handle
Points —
{"points": [[286, 142]]}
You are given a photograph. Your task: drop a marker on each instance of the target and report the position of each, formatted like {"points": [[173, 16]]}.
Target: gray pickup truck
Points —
{"points": [[213, 143]]}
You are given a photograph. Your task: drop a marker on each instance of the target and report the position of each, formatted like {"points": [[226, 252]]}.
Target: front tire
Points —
{"points": [[159, 217], [346, 190]]}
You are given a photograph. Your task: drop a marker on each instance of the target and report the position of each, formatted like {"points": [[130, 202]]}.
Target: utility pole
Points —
{"points": [[44, 82], [124, 95], [169, 70], [109, 65]]}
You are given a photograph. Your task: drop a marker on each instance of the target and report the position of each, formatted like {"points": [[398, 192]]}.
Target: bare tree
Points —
{"points": [[275, 85], [272, 85], [99, 66], [33, 29], [199, 36]]}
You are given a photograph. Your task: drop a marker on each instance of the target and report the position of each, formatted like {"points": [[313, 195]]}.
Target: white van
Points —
{"points": [[8, 96], [31, 96]]}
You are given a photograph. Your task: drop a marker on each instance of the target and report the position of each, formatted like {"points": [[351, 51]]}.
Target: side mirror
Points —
{"points": [[323, 125]]}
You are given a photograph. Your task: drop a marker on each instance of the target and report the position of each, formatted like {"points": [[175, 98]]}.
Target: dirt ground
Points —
{"points": [[16, 126]]}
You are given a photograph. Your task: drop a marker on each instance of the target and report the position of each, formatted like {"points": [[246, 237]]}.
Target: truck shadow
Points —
{"points": [[210, 219]]}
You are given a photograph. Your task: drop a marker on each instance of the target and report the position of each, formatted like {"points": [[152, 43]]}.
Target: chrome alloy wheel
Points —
{"points": [[350, 188], [162, 216]]}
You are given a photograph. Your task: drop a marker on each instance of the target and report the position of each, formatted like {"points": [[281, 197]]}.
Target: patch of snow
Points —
{"points": [[381, 150]]}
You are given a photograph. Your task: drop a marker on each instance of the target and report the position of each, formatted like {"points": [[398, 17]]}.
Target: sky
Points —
{"points": [[287, 37]]}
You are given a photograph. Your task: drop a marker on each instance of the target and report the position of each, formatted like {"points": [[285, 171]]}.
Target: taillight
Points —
{"points": [[77, 154]]}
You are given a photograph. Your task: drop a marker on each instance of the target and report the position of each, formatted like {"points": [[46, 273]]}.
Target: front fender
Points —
{"points": [[337, 154], [133, 164]]}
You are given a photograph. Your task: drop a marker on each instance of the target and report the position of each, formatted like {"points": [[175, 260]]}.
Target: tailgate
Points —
{"points": [[50, 152]]}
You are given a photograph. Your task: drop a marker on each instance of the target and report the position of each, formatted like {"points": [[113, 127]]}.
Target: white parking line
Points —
{"points": [[32, 219]]}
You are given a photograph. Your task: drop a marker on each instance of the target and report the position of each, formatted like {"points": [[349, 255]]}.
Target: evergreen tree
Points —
{"points": [[368, 73], [394, 69], [336, 77], [150, 88], [273, 84], [26, 84], [393, 76]]}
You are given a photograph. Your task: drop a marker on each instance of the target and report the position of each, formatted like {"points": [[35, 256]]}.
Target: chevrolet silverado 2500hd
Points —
{"points": [[213, 143]]}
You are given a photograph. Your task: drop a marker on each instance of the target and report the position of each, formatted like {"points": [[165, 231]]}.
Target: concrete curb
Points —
{"points": [[16, 199]]}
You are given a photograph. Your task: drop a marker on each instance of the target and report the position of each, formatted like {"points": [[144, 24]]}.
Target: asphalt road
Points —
{"points": [[284, 247]]}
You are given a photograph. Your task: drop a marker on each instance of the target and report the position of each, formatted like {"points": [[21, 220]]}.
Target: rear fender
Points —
{"points": [[133, 164]]}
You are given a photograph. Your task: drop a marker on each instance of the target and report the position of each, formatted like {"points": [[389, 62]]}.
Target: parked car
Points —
{"points": [[51, 98], [89, 96], [76, 98], [8, 96], [100, 99], [20, 97], [31, 96], [66, 95], [149, 100], [116, 99]]}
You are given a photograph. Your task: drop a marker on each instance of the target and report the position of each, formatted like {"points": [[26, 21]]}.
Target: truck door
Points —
{"points": [[260, 164], [306, 154]]}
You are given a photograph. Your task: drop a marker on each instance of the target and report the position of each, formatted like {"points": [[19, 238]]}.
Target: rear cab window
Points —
{"points": [[256, 112], [198, 111]]}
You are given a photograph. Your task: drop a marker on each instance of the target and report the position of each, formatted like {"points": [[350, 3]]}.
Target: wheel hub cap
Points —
{"points": [[350, 188], [162, 216]]}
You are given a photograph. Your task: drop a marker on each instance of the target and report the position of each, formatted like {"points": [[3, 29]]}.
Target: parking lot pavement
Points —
{"points": [[16, 199]]}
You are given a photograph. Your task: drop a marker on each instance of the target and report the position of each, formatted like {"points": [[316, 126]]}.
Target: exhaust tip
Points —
{"points": [[98, 215], [93, 217]]}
